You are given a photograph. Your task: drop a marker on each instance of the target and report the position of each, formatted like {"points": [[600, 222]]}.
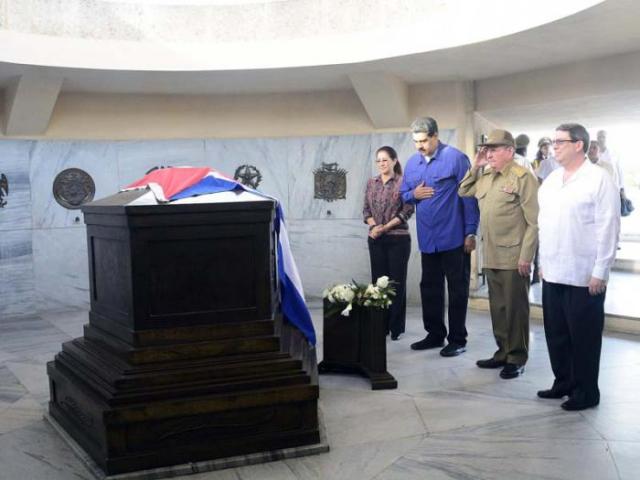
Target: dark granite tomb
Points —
{"points": [[184, 357]]}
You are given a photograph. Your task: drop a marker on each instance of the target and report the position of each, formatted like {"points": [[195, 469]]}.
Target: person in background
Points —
{"points": [[520, 157], [446, 226], [389, 240], [507, 194], [544, 163], [606, 155], [579, 226], [593, 155]]}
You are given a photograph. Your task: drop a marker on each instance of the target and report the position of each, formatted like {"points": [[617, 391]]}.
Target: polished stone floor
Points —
{"points": [[447, 419]]}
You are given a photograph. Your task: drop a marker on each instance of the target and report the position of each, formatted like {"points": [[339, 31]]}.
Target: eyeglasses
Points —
{"points": [[560, 142]]}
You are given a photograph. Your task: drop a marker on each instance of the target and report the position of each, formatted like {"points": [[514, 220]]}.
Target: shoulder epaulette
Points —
{"points": [[519, 170]]}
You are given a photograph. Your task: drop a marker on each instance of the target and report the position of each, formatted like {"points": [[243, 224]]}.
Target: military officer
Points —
{"points": [[507, 195]]}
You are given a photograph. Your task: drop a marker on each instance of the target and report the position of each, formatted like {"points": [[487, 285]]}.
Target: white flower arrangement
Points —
{"points": [[343, 296]]}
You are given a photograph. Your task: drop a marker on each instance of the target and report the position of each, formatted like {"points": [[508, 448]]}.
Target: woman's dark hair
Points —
{"points": [[397, 168]]}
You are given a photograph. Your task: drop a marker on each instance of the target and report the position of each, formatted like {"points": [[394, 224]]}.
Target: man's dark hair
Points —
{"points": [[426, 125], [577, 133]]}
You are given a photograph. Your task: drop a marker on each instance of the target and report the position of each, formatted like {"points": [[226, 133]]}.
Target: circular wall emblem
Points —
{"points": [[248, 175], [73, 187]]}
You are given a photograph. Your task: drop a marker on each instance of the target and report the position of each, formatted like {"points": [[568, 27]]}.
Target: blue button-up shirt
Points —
{"points": [[445, 219]]}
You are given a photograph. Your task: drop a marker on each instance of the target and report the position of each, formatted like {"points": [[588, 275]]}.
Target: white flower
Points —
{"points": [[348, 295], [325, 293], [346, 311], [382, 282]]}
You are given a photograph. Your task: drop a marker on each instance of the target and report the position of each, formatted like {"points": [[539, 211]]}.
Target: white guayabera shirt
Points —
{"points": [[579, 224]]}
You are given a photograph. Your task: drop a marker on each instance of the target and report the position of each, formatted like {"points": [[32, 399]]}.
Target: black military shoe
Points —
{"points": [[511, 370], [490, 363]]}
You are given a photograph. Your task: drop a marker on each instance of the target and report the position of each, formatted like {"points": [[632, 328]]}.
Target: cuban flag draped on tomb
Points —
{"points": [[205, 185]]}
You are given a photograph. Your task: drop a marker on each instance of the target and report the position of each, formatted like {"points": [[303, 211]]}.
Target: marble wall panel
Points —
{"points": [[134, 159], [14, 164], [49, 158], [47, 260], [16, 274], [353, 153], [328, 252], [269, 156], [335, 251], [61, 269]]}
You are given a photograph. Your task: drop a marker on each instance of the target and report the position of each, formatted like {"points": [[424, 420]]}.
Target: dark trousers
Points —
{"points": [[389, 256], [509, 305], [455, 266], [573, 323]]}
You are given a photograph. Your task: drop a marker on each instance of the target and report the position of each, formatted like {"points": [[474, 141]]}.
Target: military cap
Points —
{"points": [[497, 138]]}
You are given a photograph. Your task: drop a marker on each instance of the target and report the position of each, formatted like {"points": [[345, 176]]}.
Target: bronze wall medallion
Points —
{"points": [[4, 190], [73, 187], [248, 175], [330, 182]]}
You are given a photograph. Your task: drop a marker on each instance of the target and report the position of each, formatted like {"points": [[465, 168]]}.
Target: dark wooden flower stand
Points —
{"points": [[357, 344]]}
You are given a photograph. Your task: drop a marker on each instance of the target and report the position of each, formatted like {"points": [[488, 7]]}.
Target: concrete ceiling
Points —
{"points": [[608, 28]]}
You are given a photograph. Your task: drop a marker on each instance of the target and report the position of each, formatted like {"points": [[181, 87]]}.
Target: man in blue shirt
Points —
{"points": [[446, 225]]}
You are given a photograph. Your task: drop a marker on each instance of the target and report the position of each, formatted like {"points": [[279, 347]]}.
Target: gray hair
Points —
{"points": [[577, 133], [426, 125]]}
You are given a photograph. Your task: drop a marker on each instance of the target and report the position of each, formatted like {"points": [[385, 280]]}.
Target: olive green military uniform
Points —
{"points": [[509, 224]]}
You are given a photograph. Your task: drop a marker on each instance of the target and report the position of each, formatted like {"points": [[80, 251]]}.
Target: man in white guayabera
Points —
{"points": [[579, 225]]}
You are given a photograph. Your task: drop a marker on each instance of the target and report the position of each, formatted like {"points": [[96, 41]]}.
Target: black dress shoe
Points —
{"points": [[552, 393], [573, 405], [490, 363], [452, 350], [511, 370], [395, 336], [427, 343]]}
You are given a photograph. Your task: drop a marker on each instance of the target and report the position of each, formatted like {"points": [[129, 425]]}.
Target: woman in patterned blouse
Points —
{"points": [[389, 239]]}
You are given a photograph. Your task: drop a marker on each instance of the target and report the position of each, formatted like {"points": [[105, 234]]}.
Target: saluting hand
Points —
{"points": [[422, 191], [481, 158]]}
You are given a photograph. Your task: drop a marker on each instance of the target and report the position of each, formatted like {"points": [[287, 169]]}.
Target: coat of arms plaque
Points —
{"points": [[330, 182]]}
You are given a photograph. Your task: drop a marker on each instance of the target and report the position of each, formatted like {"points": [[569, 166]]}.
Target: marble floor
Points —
{"points": [[447, 419]]}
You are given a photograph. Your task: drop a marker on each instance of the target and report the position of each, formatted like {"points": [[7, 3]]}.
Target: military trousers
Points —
{"points": [[509, 306]]}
